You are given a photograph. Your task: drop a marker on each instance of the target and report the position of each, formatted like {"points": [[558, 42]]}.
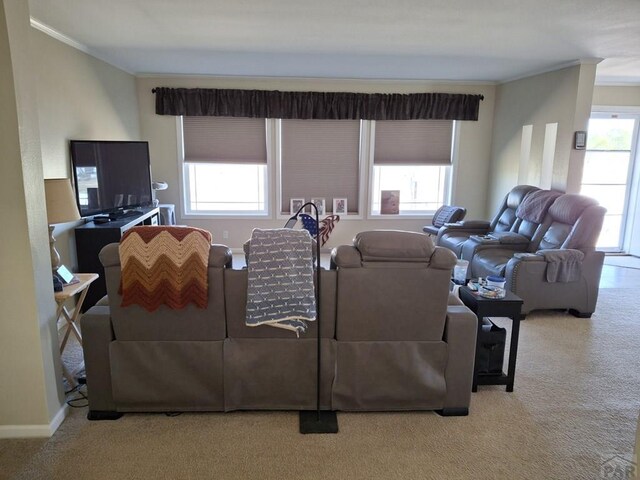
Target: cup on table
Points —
{"points": [[496, 281], [460, 272]]}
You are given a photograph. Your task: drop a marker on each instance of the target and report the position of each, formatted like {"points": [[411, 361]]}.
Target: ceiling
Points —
{"points": [[454, 40]]}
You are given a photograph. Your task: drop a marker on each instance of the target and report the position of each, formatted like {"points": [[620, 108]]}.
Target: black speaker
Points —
{"points": [[490, 354]]}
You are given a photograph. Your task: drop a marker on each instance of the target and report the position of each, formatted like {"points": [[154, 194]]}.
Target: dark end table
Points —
{"points": [[510, 306]]}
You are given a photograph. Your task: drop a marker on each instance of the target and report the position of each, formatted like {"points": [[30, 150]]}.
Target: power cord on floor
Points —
{"points": [[80, 400]]}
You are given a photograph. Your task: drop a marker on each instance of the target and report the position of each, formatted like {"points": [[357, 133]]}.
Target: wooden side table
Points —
{"points": [[510, 306], [81, 287]]}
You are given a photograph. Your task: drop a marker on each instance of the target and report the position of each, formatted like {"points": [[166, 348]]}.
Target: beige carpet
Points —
{"points": [[575, 406]]}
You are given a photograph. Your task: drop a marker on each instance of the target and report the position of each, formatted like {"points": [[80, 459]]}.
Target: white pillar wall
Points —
{"points": [[31, 397]]}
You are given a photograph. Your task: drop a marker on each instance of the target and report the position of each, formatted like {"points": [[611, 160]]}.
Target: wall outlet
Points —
{"points": [[225, 234]]}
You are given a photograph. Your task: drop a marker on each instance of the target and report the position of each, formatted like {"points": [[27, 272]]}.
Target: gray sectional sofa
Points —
{"points": [[392, 339]]}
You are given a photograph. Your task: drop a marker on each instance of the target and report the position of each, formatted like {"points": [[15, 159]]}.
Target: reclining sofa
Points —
{"points": [[453, 235], [550, 261], [392, 339]]}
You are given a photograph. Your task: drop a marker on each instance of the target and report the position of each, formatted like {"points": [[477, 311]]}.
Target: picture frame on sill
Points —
{"points": [[339, 206], [389, 202], [320, 205], [295, 204]]}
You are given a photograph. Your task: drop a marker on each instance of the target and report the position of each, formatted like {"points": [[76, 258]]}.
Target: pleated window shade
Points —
{"points": [[320, 159], [225, 140], [413, 142]]}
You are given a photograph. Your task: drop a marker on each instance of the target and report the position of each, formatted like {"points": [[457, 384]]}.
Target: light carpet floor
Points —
{"points": [[625, 261], [575, 405]]}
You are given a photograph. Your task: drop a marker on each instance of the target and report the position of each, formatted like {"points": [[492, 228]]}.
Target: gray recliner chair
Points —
{"points": [[453, 235], [564, 271], [401, 343], [445, 214]]}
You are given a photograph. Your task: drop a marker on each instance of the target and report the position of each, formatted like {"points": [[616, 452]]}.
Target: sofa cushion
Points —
{"points": [[276, 373], [190, 323], [235, 293], [167, 376], [395, 303], [390, 376], [492, 261]]}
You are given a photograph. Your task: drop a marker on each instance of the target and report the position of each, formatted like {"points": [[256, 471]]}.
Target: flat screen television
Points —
{"points": [[110, 176]]}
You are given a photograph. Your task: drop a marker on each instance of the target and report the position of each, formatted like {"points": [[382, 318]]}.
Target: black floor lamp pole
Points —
{"points": [[318, 421]]}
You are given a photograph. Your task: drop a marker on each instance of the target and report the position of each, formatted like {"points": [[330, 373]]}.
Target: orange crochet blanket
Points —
{"points": [[164, 266]]}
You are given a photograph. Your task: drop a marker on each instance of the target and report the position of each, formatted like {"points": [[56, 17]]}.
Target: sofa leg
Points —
{"points": [[578, 314], [453, 412], [103, 415]]}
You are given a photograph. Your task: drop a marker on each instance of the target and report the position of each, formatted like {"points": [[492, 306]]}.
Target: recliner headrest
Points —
{"points": [[517, 194], [394, 245], [568, 207], [448, 214]]}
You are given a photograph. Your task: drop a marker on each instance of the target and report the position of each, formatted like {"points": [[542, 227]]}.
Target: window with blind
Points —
{"points": [[225, 165], [414, 158], [320, 159]]}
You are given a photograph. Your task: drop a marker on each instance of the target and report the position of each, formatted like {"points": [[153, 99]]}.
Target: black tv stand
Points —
{"points": [[92, 236], [120, 214]]}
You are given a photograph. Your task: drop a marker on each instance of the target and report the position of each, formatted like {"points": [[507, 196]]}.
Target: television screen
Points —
{"points": [[110, 176]]}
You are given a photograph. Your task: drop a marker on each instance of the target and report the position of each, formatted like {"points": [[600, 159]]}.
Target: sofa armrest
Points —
{"points": [[526, 277], [469, 227], [465, 224], [475, 242], [97, 335], [460, 333]]}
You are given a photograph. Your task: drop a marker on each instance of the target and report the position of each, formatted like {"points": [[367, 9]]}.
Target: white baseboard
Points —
{"points": [[30, 431]]}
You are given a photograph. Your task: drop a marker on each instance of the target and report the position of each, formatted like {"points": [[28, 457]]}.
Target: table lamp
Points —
{"points": [[157, 186], [61, 208]]}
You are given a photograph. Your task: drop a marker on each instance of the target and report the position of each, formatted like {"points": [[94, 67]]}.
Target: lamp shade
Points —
{"points": [[61, 202]]}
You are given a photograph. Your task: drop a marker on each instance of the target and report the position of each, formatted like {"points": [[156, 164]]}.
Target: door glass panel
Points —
{"points": [[610, 230], [610, 133], [610, 197], [606, 174], [605, 168]]}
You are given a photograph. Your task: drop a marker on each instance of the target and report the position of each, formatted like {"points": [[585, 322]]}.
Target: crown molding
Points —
{"points": [[573, 63], [53, 33]]}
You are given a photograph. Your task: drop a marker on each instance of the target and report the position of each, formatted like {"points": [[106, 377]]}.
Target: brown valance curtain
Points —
{"points": [[316, 105]]}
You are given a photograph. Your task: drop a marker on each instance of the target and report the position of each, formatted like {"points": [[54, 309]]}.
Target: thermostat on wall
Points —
{"points": [[580, 140]]}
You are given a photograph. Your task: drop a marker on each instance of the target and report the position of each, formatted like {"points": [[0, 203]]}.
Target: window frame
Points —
{"points": [[362, 179], [450, 173], [212, 214], [273, 183]]}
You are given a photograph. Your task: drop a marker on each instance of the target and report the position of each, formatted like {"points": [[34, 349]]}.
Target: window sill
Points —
{"points": [[226, 216], [401, 216], [350, 216]]}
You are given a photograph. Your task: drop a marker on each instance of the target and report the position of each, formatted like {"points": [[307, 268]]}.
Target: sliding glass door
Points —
{"points": [[608, 172]]}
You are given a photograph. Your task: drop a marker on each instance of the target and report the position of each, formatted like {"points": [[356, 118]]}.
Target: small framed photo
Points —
{"points": [[296, 204], [319, 203], [339, 206], [389, 202]]}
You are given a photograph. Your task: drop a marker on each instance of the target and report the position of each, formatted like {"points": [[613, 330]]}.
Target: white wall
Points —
{"points": [[616, 96], [562, 97], [473, 155], [31, 397], [79, 98], [49, 93]]}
